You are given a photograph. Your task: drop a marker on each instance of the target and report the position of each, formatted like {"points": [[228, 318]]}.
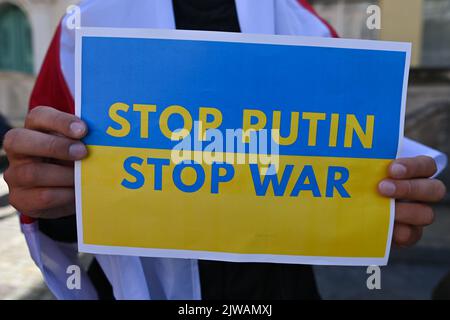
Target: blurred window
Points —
{"points": [[15, 40], [436, 33]]}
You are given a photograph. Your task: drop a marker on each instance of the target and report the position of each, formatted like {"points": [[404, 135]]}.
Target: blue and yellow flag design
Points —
{"points": [[235, 147]]}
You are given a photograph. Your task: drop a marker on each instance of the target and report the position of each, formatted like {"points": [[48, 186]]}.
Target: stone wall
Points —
{"points": [[15, 89]]}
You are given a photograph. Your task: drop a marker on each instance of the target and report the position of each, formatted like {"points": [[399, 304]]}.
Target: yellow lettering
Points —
{"points": [[365, 137], [293, 133], [314, 118], [334, 130], [144, 109], [248, 126], [123, 122], [204, 125], [164, 121]]}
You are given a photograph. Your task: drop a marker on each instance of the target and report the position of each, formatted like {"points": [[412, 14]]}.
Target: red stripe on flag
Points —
{"points": [[305, 4], [26, 219], [51, 88]]}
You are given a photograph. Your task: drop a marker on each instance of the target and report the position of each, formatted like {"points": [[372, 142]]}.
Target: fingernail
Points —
{"points": [[77, 128], [77, 151], [398, 170], [387, 188]]}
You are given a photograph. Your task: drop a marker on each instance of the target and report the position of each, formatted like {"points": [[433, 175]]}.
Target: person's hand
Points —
{"points": [[410, 185], [41, 155]]}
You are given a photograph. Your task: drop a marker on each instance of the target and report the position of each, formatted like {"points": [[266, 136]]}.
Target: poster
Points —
{"points": [[235, 147]]}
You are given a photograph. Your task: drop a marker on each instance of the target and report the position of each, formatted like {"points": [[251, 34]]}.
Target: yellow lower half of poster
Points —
{"points": [[235, 219]]}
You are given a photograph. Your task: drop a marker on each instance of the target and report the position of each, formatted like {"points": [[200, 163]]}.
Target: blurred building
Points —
{"points": [[425, 23], [26, 29]]}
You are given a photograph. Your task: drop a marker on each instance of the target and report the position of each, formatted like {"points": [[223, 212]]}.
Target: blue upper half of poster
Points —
{"points": [[236, 76]]}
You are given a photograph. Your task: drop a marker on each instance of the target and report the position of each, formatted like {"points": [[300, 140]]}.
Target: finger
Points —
{"points": [[405, 235], [425, 190], [27, 143], [407, 168], [54, 213], [39, 174], [30, 201], [51, 120], [65, 163], [416, 214]]}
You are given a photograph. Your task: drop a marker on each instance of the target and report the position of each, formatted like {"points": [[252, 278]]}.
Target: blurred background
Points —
{"points": [[27, 26]]}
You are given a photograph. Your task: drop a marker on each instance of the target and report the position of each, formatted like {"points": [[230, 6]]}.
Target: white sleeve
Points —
{"points": [[54, 258]]}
